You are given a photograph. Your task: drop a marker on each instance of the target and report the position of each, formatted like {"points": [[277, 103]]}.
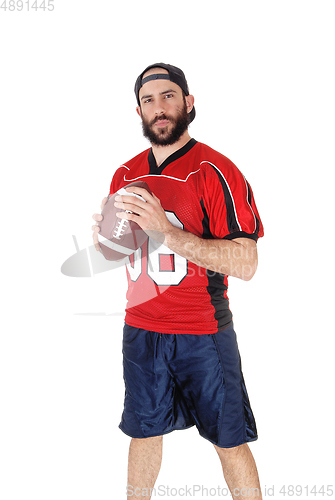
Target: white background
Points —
{"points": [[262, 73]]}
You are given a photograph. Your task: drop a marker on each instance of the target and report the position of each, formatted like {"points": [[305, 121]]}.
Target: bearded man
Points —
{"points": [[181, 361]]}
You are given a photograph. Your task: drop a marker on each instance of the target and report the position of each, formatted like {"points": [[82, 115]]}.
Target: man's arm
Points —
{"points": [[236, 258]]}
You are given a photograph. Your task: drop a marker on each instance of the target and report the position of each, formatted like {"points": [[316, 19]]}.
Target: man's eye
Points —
{"points": [[168, 96], [147, 101]]}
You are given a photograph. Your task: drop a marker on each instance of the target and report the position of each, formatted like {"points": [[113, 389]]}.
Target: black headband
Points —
{"points": [[159, 76]]}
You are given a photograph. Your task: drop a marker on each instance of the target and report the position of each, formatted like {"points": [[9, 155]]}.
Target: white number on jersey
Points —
{"points": [[156, 253]]}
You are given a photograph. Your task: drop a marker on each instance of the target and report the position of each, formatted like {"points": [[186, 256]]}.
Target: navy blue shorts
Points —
{"points": [[176, 381]]}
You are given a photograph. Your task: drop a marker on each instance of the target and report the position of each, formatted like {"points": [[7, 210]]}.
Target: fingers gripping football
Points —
{"points": [[147, 212]]}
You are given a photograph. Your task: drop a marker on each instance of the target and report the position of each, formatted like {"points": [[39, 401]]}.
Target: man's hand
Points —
{"points": [[96, 228], [148, 214]]}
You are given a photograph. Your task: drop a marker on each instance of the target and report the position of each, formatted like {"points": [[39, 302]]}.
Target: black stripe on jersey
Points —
{"points": [[250, 201], [216, 289], [154, 170], [216, 282], [232, 222], [206, 233]]}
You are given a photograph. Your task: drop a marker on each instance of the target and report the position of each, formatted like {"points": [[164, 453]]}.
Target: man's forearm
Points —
{"points": [[236, 258]]}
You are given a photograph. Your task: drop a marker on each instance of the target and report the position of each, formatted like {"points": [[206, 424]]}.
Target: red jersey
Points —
{"points": [[204, 193]]}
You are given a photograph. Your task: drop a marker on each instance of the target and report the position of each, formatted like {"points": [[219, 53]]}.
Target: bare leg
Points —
{"points": [[240, 472], [145, 457]]}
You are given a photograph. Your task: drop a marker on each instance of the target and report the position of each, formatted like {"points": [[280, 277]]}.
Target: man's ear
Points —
{"points": [[189, 102], [138, 109]]}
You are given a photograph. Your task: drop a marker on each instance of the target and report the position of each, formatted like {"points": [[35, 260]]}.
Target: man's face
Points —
{"points": [[163, 109]]}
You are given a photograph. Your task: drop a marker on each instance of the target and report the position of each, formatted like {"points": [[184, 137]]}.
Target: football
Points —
{"points": [[119, 238]]}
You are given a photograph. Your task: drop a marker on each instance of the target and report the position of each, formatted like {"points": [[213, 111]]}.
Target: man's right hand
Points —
{"points": [[96, 228]]}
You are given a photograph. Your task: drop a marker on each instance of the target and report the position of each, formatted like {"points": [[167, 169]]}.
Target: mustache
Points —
{"points": [[162, 117]]}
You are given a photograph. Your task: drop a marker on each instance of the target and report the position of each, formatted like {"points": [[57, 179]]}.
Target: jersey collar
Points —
{"points": [[153, 169]]}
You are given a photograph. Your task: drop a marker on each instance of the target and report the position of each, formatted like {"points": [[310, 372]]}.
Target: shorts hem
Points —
{"points": [[240, 443], [244, 441], [156, 434]]}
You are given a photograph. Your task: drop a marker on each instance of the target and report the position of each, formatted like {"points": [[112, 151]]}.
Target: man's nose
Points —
{"points": [[159, 107]]}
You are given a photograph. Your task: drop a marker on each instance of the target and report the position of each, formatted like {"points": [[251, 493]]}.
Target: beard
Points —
{"points": [[162, 137]]}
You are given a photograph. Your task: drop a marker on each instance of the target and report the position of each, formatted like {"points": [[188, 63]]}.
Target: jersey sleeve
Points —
{"points": [[117, 180], [230, 204]]}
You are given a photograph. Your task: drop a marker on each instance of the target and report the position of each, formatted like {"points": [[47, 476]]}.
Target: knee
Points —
{"points": [[146, 450], [227, 454]]}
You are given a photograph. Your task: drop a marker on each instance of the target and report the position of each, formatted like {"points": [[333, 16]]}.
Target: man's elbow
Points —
{"points": [[249, 270], [246, 258]]}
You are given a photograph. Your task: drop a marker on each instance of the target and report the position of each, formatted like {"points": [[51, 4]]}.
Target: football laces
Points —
{"points": [[120, 228]]}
